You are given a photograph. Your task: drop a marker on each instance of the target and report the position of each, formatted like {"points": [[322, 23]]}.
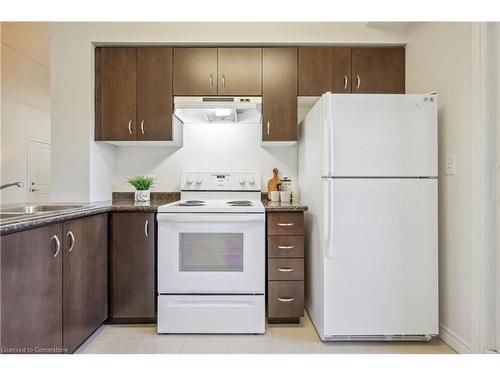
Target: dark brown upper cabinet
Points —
{"points": [[279, 94], [323, 69], [133, 97], [116, 94], [217, 71], [154, 103], [239, 71], [378, 70], [195, 71]]}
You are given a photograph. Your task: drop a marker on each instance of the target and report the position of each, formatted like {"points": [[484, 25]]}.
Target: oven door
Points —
{"points": [[211, 253]]}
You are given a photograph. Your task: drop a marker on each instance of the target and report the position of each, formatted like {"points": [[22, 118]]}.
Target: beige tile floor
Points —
{"points": [[285, 339]]}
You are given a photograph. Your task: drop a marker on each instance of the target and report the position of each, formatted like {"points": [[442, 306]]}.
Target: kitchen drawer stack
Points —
{"points": [[285, 267]]}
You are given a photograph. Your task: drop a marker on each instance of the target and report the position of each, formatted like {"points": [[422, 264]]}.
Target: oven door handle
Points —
{"points": [[210, 218]]}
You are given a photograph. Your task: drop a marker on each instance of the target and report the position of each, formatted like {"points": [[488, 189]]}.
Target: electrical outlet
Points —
{"points": [[450, 165]]}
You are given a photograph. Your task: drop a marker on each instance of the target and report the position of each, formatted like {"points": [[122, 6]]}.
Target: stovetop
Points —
{"points": [[214, 205]]}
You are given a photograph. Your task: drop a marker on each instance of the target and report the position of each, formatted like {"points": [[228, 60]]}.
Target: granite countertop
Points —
{"points": [[122, 202], [283, 206]]}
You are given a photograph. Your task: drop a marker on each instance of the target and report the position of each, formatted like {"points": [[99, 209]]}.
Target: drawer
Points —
{"points": [[285, 246], [285, 223], [285, 269], [285, 299], [211, 314]]}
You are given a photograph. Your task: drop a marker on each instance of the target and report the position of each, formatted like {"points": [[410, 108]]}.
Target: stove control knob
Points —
{"points": [[251, 180], [242, 180], [189, 180], [199, 180]]}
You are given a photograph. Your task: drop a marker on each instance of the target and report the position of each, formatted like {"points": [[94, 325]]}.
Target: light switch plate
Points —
{"points": [[450, 165]]}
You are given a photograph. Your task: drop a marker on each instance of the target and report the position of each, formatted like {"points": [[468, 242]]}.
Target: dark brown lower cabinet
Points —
{"points": [[285, 300], [132, 291], [31, 299], [85, 278], [54, 285], [285, 267]]}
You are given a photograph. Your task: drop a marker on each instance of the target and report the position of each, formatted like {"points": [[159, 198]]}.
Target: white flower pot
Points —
{"points": [[142, 196]]}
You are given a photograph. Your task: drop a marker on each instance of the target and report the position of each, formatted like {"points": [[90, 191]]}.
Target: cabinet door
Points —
{"points": [[133, 291], [378, 70], [240, 71], [154, 116], [279, 94], [31, 287], [195, 71], [323, 69], [85, 275], [116, 94]]}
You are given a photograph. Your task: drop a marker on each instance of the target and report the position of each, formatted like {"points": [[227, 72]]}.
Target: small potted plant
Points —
{"points": [[142, 185]]}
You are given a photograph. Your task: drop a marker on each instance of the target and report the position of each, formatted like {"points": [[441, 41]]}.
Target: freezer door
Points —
{"points": [[379, 135], [381, 257]]}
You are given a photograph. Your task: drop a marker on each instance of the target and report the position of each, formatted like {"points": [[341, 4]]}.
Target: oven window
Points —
{"points": [[207, 252]]}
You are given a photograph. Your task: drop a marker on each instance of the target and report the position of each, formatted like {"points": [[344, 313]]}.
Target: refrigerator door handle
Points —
{"points": [[328, 230]]}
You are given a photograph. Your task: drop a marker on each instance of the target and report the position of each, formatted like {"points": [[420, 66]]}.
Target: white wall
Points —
{"points": [[225, 147], [439, 58], [497, 94], [25, 100], [81, 168]]}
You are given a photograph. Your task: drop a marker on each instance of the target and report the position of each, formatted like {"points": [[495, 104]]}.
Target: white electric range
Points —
{"points": [[211, 255]]}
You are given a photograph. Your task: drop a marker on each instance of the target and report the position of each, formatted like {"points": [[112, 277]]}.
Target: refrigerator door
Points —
{"points": [[368, 135], [380, 257]]}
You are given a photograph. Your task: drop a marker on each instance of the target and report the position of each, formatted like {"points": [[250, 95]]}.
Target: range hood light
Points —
{"points": [[222, 112], [221, 115]]}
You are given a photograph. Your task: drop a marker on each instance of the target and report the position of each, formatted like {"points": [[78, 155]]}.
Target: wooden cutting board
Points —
{"points": [[274, 183]]}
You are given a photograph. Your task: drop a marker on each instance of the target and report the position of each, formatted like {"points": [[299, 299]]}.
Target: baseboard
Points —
{"points": [[456, 342], [112, 320]]}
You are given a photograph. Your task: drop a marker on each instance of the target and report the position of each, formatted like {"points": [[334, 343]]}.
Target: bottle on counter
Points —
{"points": [[286, 185]]}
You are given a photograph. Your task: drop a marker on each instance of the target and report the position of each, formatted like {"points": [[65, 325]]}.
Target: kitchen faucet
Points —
{"points": [[18, 184]]}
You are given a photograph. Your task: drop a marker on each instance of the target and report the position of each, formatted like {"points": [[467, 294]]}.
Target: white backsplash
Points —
{"points": [[225, 147]]}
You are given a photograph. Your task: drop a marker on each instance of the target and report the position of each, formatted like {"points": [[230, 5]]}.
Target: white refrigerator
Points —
{"points": [[368, 172]]}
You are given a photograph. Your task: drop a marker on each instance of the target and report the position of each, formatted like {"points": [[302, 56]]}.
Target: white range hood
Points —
{"points": [[218, 109]]}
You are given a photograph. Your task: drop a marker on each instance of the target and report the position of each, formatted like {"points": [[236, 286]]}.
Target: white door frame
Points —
{"points": [[483, 249], [29, 168], [497, 121]]}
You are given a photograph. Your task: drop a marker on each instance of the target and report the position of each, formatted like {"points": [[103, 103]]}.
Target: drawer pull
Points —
{"points": [[285, 269], [286, 224], [285, 247], [286, 299]]}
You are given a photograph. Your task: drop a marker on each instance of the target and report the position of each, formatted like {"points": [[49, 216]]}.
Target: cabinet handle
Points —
{"points": [[142, 126], [267, 127], [55, 239], [358, 82], [345, 82], [223, 80], [285, 269], [146, 228], [211, 81], [130, 127], [286, 224], [285, 247], [286, 299], [72, 241]]}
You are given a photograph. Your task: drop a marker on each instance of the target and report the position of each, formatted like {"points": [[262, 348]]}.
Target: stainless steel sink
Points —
{"points": [[9, 216], [35, 209]]}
